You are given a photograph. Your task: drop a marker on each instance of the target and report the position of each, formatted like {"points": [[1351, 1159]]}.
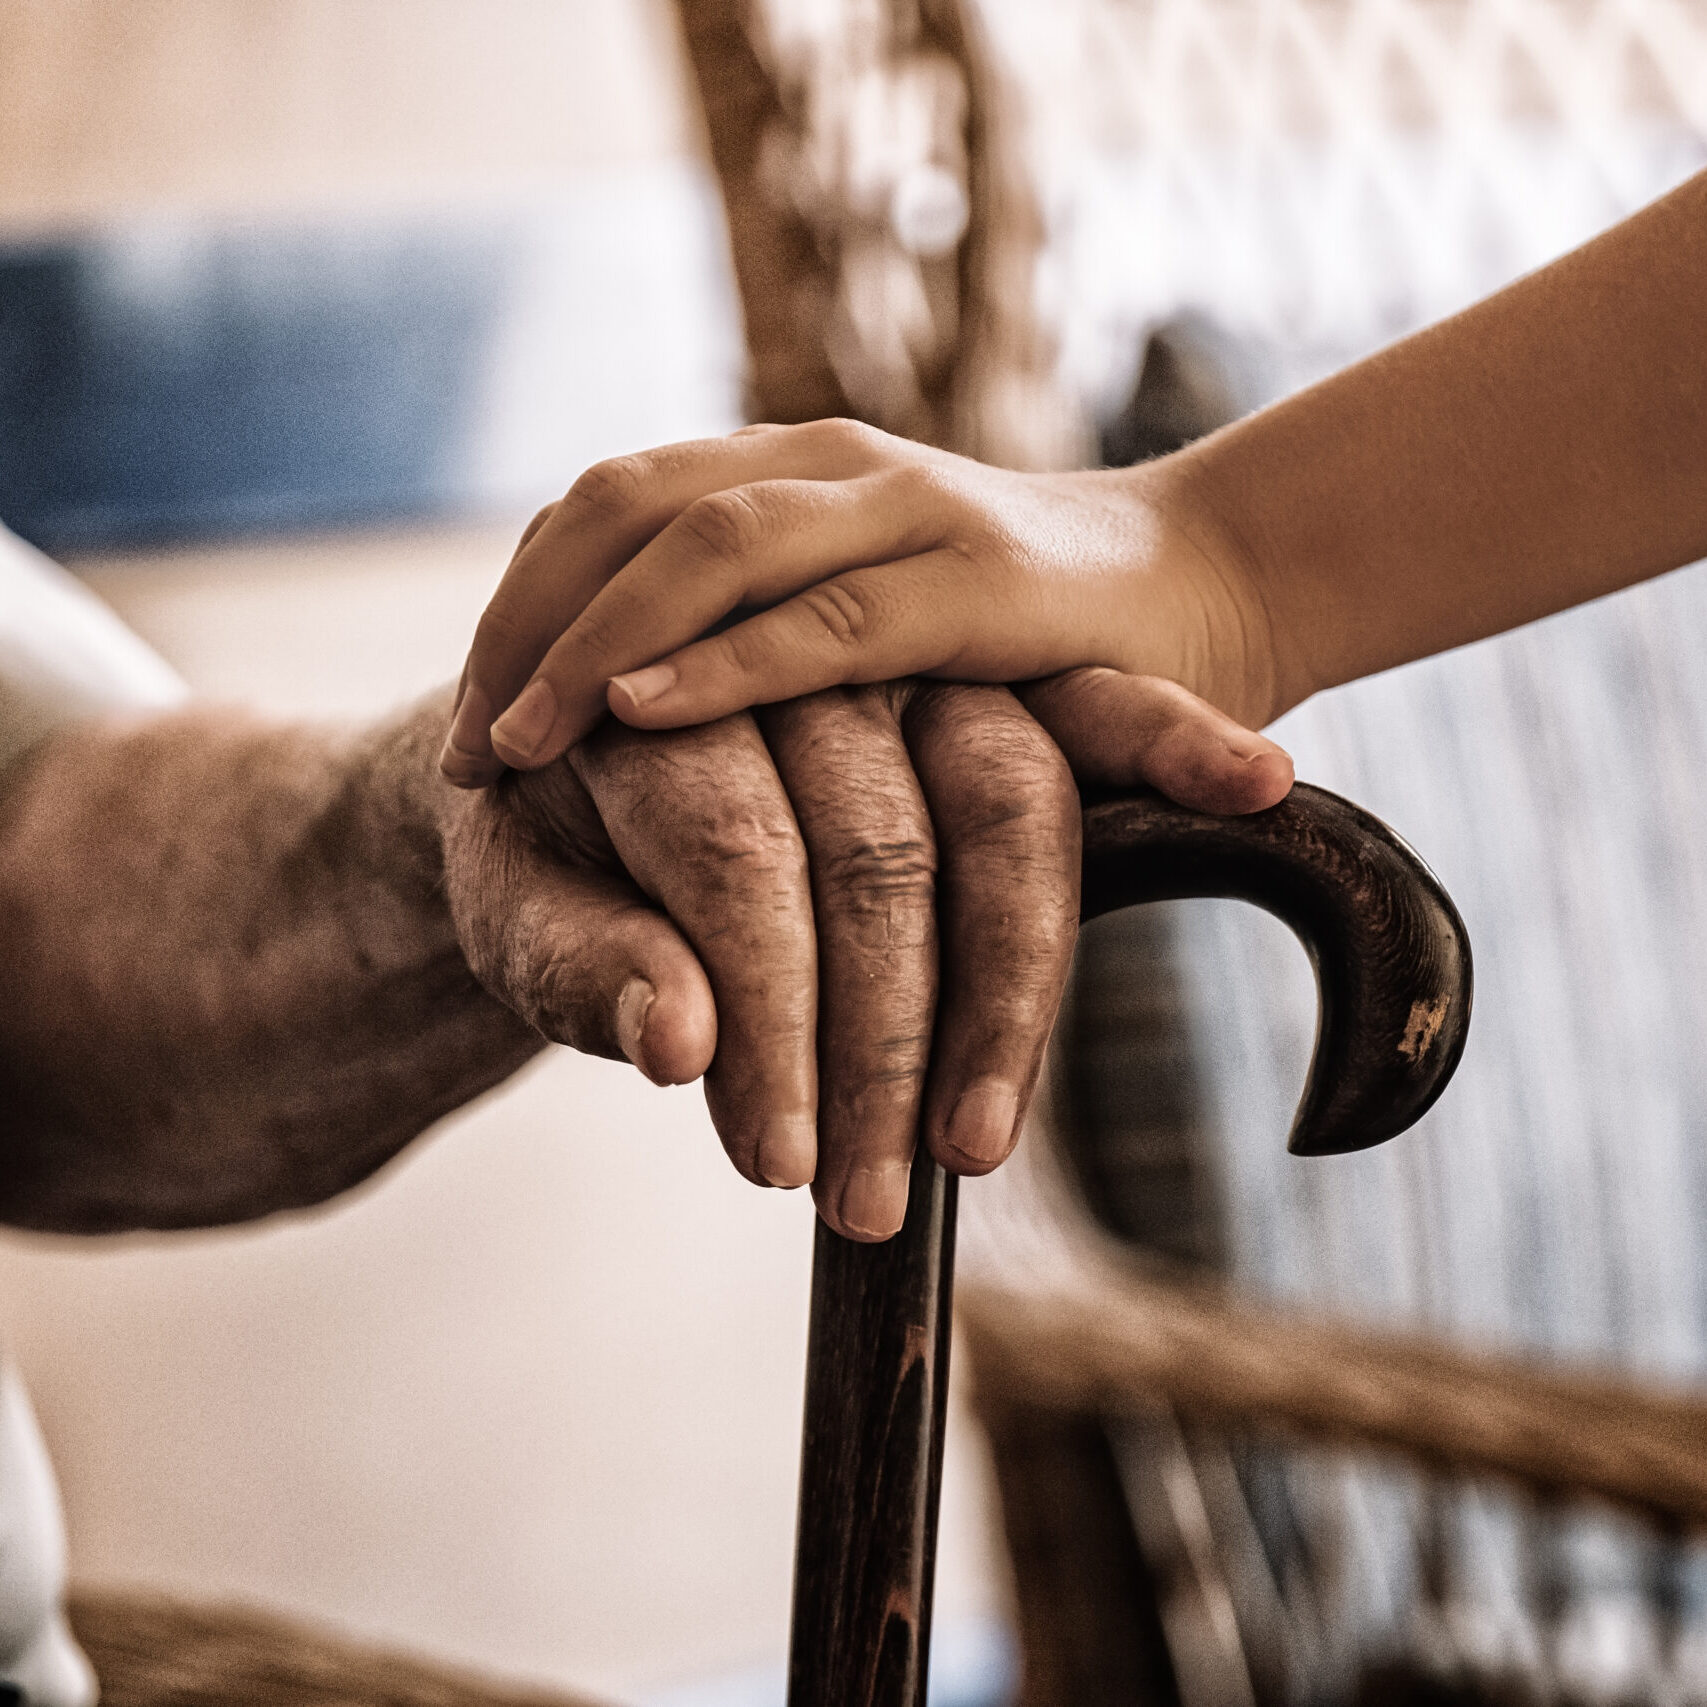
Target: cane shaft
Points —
{"points": [[871, 1457], [1393, 970]]}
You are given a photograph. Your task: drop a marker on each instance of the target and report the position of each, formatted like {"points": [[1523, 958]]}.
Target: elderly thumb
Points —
{"points": [[581, 955]]}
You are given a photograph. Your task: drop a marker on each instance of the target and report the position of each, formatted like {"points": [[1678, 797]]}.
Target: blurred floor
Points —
{"points": [[532, 1401]]}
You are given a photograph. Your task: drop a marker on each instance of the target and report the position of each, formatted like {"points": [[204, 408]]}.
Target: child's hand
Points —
{"points": [[867, 558]]}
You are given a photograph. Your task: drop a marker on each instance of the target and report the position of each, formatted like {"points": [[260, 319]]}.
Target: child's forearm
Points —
{"points": [[1542, 448]]}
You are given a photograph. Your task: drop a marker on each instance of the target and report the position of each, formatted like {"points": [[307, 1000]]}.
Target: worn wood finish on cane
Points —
{"points": [[1393, 969], [871, 1457], [1391, 954]]}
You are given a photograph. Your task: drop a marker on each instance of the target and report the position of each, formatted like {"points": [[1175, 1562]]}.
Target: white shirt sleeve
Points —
{"points": [[38, 1656], [64, 656]]}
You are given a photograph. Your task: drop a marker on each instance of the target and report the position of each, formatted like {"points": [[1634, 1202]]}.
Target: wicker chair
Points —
{"points": [[1307, 1436]]}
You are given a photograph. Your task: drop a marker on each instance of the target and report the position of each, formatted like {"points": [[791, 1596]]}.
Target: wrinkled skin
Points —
{"points": [[881, 889], [242, 965]]}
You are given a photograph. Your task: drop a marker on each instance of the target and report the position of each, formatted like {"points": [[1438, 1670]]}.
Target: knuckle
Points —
{"points": [[726, 526], [1081, 686], [733, 849], [1064, 703], [541, 520], [840, 610], [566, 1005], [975, 547], [745, 649], [1015, 785], [554, 998], [842, 433], [924, 485], [756, 847], [877, 868], [1049, 797], [500, 629], [882, 890], [610, 490], [593, 635]]}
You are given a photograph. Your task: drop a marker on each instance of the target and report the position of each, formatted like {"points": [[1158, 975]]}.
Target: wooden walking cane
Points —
{"points": [[1393, 975]]}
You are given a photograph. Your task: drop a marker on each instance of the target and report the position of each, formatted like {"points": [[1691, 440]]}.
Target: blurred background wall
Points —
{"points": [[281, 262], [395, 271]]}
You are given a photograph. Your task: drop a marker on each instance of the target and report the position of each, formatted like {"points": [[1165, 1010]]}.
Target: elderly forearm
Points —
{"points": [[1540, 449], [229, 982]]}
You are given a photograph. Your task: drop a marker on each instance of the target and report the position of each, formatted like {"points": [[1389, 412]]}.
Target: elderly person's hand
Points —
{"points": [[853, 913], [242, 964]]}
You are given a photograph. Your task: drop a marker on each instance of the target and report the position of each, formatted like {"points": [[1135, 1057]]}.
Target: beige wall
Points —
{"points": [[534, 1398], [242, 105]]}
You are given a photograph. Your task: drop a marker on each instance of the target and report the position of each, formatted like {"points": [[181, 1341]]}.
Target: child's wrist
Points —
{"points": [[1233, 628]]}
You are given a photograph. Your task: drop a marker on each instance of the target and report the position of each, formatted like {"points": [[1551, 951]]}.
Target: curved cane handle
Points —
{"points": [[1391, 954], [1393, 968]]}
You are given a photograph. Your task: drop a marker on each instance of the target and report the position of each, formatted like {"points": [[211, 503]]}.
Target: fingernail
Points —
{"points": [[874, 1201], [643, 685], [981, 1129], [632, 1007], [462, 759], [788, 1151], [523, 729]]}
